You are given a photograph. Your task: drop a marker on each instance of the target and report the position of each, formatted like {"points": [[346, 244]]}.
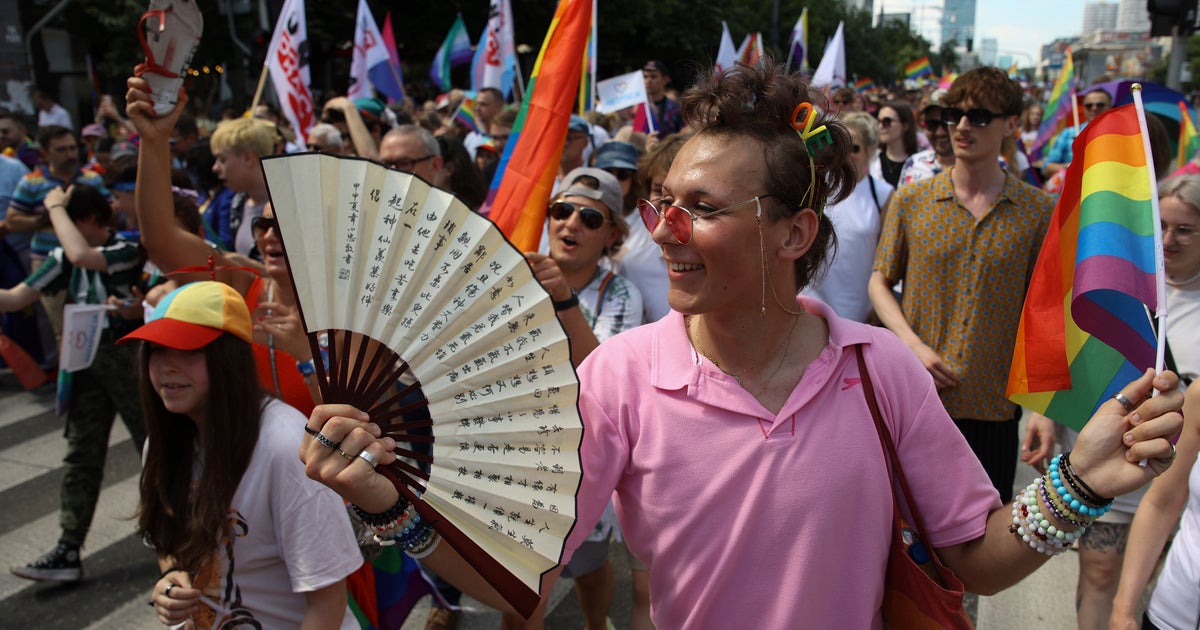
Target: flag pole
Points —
{"points": [[1160, 311], [262, 81]]}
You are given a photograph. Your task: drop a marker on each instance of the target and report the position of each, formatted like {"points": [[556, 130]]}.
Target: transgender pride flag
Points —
{"points": [[1085, 330]]}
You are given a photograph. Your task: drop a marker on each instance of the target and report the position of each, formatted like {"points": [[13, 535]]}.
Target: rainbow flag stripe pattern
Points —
{"points": [[1058, 106], [918, 68], [466, 114], [864, 84], [1084, 330], [524, 178], [1189, 141]]}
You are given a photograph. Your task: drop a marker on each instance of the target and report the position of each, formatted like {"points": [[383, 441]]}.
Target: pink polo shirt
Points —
{"points": [[756, 520]]}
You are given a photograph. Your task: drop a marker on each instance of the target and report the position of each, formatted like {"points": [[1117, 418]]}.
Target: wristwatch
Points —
{"points": [[567, 303]]}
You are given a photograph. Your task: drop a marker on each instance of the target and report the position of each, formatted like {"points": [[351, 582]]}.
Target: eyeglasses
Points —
{"points": [[1100, 105], [407, 165], [681, 227], [1183, 233], [976, 116], [261, 225], [886, 122], [855, 148], [622, 174], [591, 218], [933, 124]]}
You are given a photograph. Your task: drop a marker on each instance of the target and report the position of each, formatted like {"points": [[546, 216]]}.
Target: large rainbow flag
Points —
{"points": [[1058, 107], [918, 68], [1189, 141], [525, 176], [1084, 330]]}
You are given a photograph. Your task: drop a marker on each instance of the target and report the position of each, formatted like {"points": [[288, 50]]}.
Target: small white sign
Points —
{"points": [[620, 92]]}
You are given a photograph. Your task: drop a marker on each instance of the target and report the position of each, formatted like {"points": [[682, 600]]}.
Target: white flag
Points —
{"points": [[82, 325], [368, 53], [495, 62], [620, 92], [726, 54], [832, 69], [287, 63]]}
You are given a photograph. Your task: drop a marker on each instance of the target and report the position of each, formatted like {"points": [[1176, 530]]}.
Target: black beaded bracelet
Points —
{"points": [[1083, 490], [169, 571], [567, 303], [382, 518]]}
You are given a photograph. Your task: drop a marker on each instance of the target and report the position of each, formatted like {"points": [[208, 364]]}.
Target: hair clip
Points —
{"points": [[803, 118]]}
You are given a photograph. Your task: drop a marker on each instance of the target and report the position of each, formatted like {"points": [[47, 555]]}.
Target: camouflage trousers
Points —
{"points": [[98, 393]]}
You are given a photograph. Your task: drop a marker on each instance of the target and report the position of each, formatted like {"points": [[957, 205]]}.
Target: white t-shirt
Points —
{"points": [[1177, 592], [1183, 331], [857, 223], [611, 304], [643, 265], [292, 535], [58, 115]]}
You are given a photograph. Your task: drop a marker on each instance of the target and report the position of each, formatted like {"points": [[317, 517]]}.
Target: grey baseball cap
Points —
{"points": [[609, 192]]}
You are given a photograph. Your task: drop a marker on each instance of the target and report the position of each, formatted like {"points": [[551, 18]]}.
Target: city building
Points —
{"points": [[958, 22], [988, 47], [1132, 16], [1099, 16]]}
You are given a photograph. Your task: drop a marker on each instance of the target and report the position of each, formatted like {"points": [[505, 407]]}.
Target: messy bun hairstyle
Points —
{"points": [[758, 102]]}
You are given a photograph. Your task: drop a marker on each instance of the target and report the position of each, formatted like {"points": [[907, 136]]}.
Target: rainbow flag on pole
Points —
{"points": [[466, 114], [1058, 106], [525, 175], [864, 84], [918, 68], [1189, 141], [1085, 330], [587, 83]]}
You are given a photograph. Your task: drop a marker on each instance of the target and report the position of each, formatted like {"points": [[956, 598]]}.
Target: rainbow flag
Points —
{"points": [[466, 114], [525, 176], [864, 84], [1013, 71], [1084, 329], [1058, 107], [751, 50], [947, 80], [918, 68], [587, 82], [1189, 141]]}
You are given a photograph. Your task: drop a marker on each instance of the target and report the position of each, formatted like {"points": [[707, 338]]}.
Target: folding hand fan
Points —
{"points": [[406, 278]]}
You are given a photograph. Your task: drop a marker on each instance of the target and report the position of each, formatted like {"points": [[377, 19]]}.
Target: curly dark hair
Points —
{"points": [[758, 103]]}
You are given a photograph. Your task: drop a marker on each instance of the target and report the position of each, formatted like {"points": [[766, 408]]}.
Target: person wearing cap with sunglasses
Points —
{"points": [[594, 304], [964, 243], [1095, 102], [939, 156]]}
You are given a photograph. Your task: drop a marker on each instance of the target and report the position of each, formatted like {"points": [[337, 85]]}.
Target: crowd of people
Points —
{"points": [[730, 275]]}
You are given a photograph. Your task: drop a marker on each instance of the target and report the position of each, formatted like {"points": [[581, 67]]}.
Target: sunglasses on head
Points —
{"points": [[977, 117], [260, 225], [591, 218]]}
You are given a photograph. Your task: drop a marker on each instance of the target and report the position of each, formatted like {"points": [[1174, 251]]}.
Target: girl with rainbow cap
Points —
{"points": [[242, 535]]}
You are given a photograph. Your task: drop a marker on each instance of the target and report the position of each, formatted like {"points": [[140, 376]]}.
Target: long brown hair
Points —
{"points": [[175, 518]]}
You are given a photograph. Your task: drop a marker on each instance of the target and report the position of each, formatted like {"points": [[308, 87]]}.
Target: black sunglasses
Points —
{"points": [[260, 225], [1095, 105], [886, 122], [622, 174], [976, 116], [855, 148], [933, 124], [591, 218]]}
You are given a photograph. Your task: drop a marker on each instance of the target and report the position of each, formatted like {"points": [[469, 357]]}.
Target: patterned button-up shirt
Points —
{"points": [[965, 281]]}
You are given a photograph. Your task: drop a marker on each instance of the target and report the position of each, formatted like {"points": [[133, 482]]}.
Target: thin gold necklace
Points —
{"points": [[737, 375]]}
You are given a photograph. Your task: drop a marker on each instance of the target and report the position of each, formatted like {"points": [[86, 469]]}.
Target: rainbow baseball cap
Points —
{"points": [[194, 315]]}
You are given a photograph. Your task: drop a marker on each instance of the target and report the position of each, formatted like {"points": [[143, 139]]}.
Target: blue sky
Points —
{"points": [[1018, 25]]}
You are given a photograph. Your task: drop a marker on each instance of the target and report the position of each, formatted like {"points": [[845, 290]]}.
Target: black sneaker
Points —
{"points": [[60, 565]]}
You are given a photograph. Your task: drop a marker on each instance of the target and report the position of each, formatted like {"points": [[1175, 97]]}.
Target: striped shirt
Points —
{"points": [[31, 191], [89, 286]]}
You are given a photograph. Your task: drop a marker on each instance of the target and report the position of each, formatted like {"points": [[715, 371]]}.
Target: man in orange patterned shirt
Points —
{"points": [[964, 243]]}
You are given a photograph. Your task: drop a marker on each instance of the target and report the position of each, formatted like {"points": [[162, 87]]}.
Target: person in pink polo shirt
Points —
{"points": [[747, 470]]}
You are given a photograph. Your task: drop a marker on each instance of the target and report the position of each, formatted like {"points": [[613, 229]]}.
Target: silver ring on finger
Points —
{"points": [[168, 591], [326, 442], [1167, 461], [368, 457], [1125, 402]]}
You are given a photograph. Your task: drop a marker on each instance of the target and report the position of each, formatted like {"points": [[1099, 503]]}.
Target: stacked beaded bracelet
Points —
{"points": [[1084, 502], [1034, 528]]}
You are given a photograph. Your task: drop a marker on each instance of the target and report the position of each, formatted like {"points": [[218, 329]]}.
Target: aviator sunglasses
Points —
{"points": [[680, 220], [976, 116], [591, 218]]}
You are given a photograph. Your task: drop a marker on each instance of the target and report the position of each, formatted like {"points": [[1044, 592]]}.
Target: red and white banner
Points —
{"points": [[288, 67], [495, 63], [369, 53]]}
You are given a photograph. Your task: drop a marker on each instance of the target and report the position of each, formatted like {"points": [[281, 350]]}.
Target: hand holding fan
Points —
{"points": [[404, 278]]}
